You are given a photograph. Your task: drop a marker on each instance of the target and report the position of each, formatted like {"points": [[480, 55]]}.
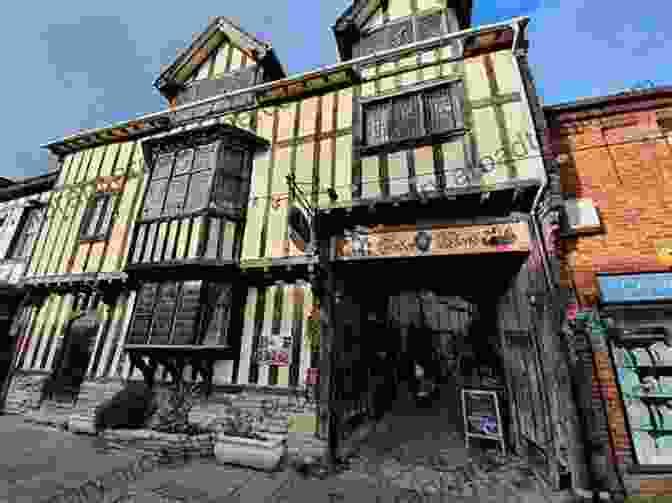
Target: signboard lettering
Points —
{"points": [[400, 242], [635, 287]]}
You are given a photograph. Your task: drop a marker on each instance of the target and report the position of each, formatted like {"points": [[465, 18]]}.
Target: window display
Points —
{"points": [[644, 362]]}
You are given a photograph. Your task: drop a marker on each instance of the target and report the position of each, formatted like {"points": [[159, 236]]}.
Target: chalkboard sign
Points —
{"points": [[482, 418]]}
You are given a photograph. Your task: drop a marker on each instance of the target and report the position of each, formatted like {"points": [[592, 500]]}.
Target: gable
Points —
{"points": [[225, 58], [223, 48]]}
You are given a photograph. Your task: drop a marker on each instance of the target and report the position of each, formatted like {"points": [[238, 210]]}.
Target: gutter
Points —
{"points": [[346, 65]]}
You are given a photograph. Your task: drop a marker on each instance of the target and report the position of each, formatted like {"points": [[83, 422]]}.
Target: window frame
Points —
{"points": [[216, 170], [20, 233], [110, 209], [413, 18], [425, 136], [205, 312]]}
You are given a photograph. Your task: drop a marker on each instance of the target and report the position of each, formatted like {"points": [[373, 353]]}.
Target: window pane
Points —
{"points": [[183, 162], [24, 242], [94, 217], [139, 330], [106, 218], [187, 314], [163, 165], [405, 118], [376, 123], [163, 315], [154, 199], [145, 302], [205, 158], [227, 191], [376, 41], [439, 110], [400, 34], [430, 26], [232, 161], [177, 190], [198, 191]]}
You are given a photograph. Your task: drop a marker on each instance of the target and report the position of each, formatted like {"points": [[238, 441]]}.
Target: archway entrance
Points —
{"points": [[447, 314]]}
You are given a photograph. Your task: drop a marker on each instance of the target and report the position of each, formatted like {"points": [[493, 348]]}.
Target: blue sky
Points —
{"points": [[76, 65]]}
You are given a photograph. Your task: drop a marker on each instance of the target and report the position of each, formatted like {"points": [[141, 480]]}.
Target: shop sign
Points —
{"points": [[635, 287], [482, 418], [664, 251], [274, 350], [405, 241]]}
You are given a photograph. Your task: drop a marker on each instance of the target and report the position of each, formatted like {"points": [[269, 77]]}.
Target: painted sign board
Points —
{"points": [[626, 288], [275, 350], [482, 419], [409, 241], [664, 251]]}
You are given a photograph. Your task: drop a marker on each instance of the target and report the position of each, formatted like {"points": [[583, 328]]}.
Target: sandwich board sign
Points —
{"points": [[482, 418]]}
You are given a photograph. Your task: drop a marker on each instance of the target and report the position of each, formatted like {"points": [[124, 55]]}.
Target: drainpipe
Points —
{"points": [[518, 26]]}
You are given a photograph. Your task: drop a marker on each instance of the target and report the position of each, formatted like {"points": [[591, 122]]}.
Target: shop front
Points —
{"points": [[636, 310]]}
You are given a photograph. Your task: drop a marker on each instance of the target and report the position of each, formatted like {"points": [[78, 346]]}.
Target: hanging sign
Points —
{"points": [[482, 419], [274, 349], [405, 241], [299, 228]]}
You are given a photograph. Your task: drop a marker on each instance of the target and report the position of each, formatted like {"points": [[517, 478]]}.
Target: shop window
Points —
{"points": [[23, 242], [97, 219], [643, 358], [414, 115], [182, 181]]}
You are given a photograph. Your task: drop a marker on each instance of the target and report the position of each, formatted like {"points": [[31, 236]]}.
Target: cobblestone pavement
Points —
{"points": [[37, 462], [419, 456], [422, 452], [415, 455]]}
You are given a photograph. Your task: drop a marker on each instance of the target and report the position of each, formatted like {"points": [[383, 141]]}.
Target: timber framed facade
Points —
{"points": [[229, 233]]}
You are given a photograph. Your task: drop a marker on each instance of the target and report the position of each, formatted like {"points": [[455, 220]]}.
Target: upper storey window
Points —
{"points": [[377, 37], [23, 242], [190, 179], [413, 115], [208, 169]]}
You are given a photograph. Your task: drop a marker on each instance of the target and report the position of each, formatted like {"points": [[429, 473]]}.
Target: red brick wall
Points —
{"points": [[606, 156]]}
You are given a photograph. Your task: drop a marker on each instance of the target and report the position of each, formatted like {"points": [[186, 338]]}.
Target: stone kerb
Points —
{"points": [[168, 447]]}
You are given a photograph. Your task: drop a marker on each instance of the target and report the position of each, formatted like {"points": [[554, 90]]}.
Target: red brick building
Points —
{"points": [[615, 160]]}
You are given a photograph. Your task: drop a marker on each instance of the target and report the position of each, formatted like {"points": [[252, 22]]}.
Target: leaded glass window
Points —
{"points": [[413, 115], [26, 237], [98, 217], [182, 182]]}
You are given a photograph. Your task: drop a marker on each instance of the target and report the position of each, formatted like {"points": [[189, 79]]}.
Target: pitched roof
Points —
{"points": [[208, 41]]}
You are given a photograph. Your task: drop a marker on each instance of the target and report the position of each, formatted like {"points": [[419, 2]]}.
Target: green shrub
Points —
{"points": [[129, 408]]}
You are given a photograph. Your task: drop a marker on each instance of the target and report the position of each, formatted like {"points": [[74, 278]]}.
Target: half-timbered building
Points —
{"points": [[22, 207], [268, 234]]}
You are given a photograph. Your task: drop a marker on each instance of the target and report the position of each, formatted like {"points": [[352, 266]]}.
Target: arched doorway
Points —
{"points": [[72, 357]]}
